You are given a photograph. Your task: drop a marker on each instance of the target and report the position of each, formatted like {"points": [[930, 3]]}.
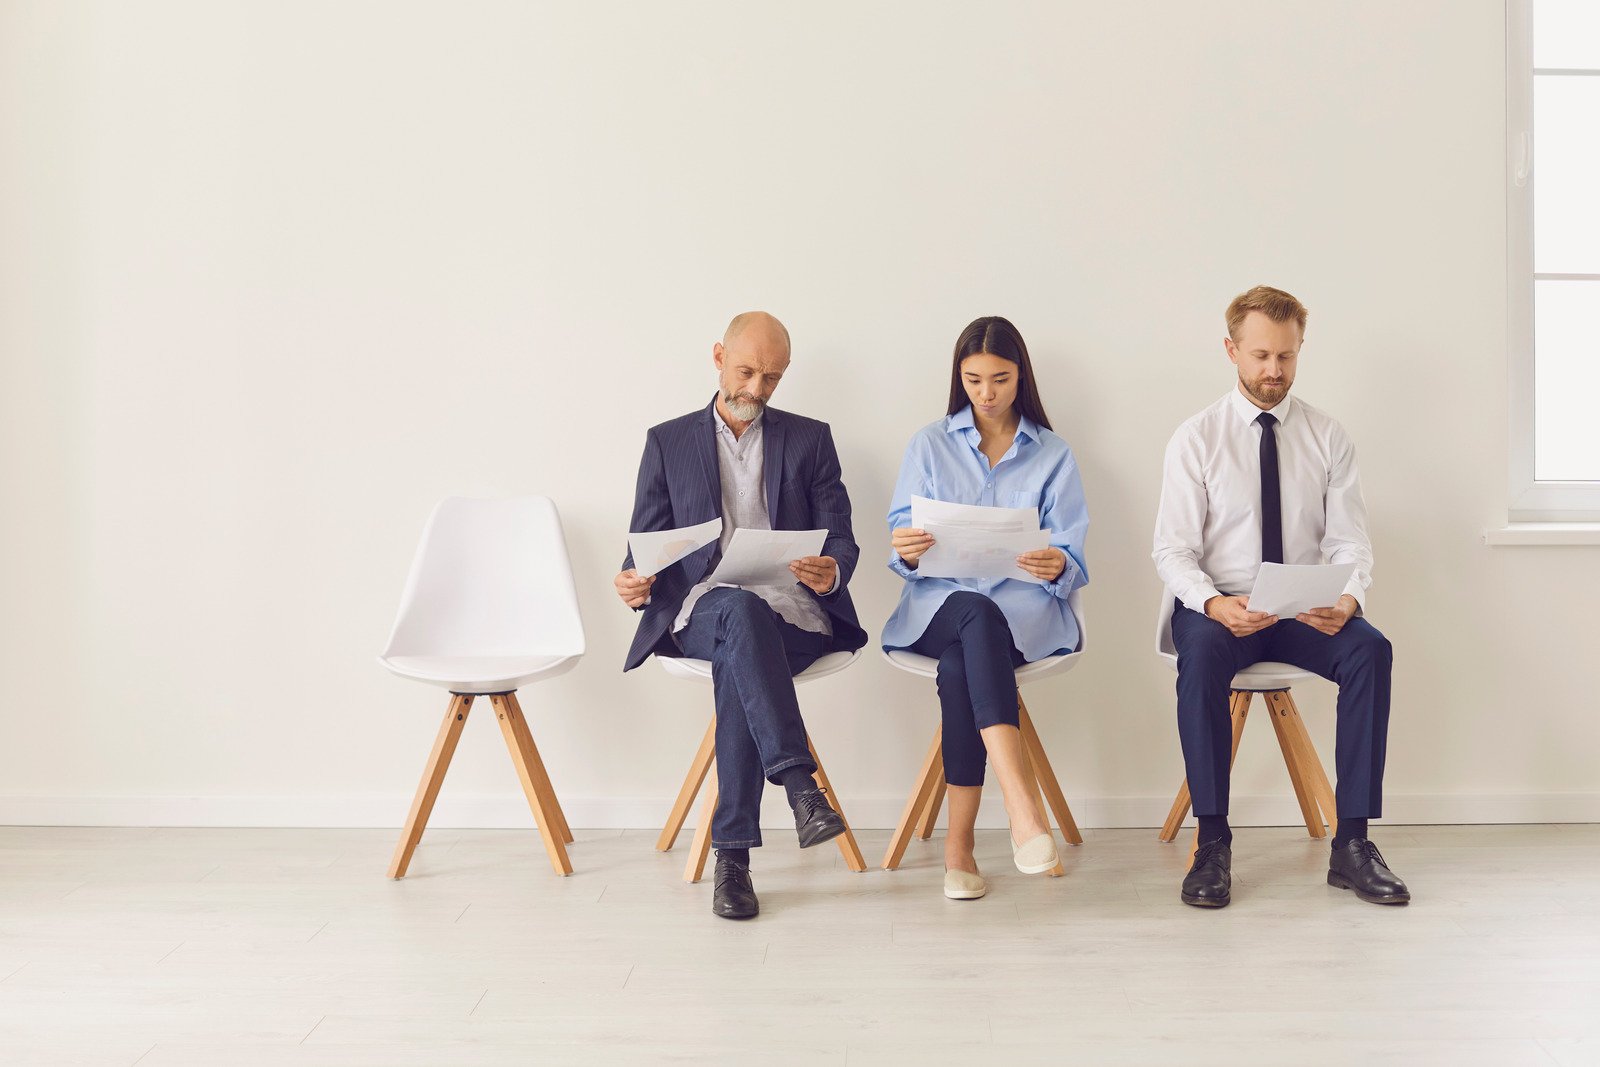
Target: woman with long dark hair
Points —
{"points": [[994, 447]]}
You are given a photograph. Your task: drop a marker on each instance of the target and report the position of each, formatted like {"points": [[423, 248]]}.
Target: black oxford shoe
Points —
{"points": [[815, 821], [1359, 866], [735, 895], [1210, 879]]}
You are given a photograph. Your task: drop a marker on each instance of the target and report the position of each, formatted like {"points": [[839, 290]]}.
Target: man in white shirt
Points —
{"points": [[1260, 476]]}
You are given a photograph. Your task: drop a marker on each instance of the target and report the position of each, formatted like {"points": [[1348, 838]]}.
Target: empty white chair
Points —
{"points": [[488, 608], [1273, 681], [927, 796], [703, 768]]}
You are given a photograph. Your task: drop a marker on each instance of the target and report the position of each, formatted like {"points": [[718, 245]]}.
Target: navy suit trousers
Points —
{"points": [[754, 657], [1358, 658]]}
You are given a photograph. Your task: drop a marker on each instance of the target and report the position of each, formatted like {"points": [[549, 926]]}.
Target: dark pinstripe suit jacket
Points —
{"points": [[680, 484]]}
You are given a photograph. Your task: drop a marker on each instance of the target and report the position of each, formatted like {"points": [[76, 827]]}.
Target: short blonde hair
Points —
{"points": [[1275, 304]]}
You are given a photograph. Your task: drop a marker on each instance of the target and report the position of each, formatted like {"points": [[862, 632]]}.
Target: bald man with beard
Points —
{"points": [[757, 467]]}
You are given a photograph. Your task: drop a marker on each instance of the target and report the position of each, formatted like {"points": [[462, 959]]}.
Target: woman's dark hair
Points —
{"points": [[995, 336]]}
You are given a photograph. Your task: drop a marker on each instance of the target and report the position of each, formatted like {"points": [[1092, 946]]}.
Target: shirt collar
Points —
{"points": [[962, 420], [721, 425], [1250, 413]]}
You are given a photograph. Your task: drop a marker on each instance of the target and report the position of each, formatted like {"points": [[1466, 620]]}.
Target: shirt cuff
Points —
{"points": [[898, 565], [1061, 585], [1355, 589], [1197, 597]]}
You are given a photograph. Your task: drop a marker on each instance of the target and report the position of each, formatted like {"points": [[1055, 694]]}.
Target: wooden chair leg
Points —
{"points": [[691, 787], [921, 793], [847, 840], [930, 814], [541, 776], [1238, 711], [700, 847], [1031, 769], [1278, 712], [532, 787], [444, 747], [1310, 766], [1176, 815], [1046, 776]]}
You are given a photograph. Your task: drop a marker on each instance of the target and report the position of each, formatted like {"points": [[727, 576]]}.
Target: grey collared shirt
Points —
{"points": [[744, 503]]}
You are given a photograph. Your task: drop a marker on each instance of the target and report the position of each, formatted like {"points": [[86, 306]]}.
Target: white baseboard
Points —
{"points": [[510, 811]]}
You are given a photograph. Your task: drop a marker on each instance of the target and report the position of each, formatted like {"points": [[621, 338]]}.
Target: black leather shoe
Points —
{"points": [[735, 895], [1359, 866], [814, 818], [1210, 879]]}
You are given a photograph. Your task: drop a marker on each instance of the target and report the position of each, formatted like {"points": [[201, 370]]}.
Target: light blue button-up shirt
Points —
{"points": [[943, 462]]}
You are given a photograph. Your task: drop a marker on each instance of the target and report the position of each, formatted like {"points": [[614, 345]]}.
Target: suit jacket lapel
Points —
{"points": [[705, 447], [772, 461]]}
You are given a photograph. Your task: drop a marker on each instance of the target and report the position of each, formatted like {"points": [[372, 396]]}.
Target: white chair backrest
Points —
{"points": [[1164, 645], [490, 578], [1075, 603]]}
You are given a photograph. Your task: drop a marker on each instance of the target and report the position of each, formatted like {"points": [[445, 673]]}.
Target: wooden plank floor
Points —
{"points": [[166, 947]]}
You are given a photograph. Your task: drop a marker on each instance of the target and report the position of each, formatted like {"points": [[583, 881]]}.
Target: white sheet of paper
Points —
{"points": [[762, 557], [655, 551], [1287, 589], [925, 512], [961, 552]]}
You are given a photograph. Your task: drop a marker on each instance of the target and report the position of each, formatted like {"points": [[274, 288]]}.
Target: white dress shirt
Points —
{"points": [[1208, 528]]}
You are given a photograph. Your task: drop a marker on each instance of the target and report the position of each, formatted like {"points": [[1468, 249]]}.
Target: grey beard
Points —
{"points": [[743, 408]]}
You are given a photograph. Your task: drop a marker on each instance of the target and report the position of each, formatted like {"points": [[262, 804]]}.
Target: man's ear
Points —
{"points": [[1227, 346], [716, 354]]}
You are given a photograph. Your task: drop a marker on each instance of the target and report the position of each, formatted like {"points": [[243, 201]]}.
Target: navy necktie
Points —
{"points": [[1271, 504]]}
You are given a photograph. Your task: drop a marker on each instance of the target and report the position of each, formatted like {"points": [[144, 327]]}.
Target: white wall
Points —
{"points": [[274, 278]]}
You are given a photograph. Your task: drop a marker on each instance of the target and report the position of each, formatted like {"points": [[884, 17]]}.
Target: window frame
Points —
{"points": [[1531, 500]]}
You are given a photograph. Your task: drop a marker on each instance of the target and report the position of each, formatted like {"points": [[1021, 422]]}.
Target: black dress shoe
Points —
{"points": [[735, 895], [814, 818], [1358, 865], [1210, 878]]}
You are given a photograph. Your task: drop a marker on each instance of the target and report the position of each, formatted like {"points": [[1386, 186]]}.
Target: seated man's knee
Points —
{"points": [[741, 602], [1369, 647]]}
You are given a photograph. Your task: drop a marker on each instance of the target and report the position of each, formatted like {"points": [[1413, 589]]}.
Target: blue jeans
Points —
{"points": [[754, 657], [971, 639], [1358, 658]]}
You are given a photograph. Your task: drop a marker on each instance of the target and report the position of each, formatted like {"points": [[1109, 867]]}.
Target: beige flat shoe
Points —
{"points": [[964, 885], [1035, 856]]}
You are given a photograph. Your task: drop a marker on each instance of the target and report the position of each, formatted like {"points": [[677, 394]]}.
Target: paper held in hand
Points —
{"points": [[1287, 589], [655, 551], [970, 541], [762, 557]]}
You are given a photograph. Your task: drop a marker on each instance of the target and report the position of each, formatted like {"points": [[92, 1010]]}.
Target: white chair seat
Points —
{"points": [[479, 674], [1263, 677], [928, 667], [699, 670]]}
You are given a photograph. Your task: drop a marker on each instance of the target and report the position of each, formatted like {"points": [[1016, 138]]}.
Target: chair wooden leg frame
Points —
{"points": [[547, 813], [927, 796], [691, 785], [703, 777], [1310, 781]]}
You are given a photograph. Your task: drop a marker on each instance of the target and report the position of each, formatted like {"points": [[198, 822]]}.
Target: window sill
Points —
{"points": [[1544, 533]]}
